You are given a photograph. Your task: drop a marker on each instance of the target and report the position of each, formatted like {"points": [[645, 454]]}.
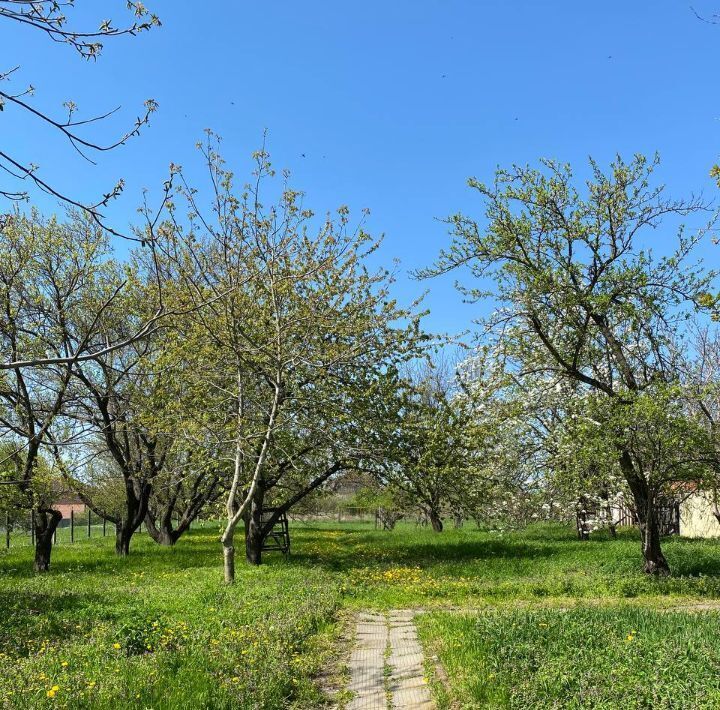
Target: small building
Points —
{"points": [[698, 517], [69, 503]]}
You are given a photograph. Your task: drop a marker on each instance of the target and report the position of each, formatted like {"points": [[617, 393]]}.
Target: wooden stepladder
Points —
{"points": [[278, 539]]}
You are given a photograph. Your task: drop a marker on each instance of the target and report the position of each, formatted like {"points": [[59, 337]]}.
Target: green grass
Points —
{"points": [[160, 630], [412, 567], [579, 658]]}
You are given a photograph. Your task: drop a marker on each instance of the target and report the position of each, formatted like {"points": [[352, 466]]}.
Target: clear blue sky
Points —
{"points": [[393, 103]]}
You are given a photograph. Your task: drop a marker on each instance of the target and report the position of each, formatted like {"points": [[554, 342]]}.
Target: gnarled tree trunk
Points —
{"points": [[255, 533], [137, 495], [645, 501], [435, 520], [161, 528], [163, 534], [46, 522], [123, 535]]}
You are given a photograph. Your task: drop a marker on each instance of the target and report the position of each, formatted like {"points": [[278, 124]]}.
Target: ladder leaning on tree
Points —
{"points": [[279, 536]]}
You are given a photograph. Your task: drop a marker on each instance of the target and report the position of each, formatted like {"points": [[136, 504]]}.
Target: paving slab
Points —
{"points": [[375, 635]]}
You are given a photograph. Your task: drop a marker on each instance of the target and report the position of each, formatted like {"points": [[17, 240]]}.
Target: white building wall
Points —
{"points": [[696, 517]]}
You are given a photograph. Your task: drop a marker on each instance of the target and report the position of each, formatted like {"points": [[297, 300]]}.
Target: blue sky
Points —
{"points": [[387, 105]]}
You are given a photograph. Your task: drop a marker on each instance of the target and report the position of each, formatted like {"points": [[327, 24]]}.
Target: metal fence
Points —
{"points": [[19, 531], [338, 514]]}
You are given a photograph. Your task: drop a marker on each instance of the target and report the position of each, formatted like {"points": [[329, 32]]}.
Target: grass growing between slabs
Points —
{"points": [[579, 658], [159, 629]]}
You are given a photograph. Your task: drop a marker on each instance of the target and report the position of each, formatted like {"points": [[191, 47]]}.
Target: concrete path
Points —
{"points": [[386, 665]]}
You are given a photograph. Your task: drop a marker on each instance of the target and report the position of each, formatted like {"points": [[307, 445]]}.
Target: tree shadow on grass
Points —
{"points": [[102, 560], [343, 557], [29, 617]]}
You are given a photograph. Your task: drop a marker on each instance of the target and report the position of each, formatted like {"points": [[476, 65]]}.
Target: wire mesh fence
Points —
{"points": [[18, 530]]}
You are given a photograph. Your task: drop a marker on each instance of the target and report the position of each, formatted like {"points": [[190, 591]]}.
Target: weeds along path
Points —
{"points": [[387, 664]]}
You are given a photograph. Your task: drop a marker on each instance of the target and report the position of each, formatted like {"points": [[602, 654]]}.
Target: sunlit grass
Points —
{"points": [[160, 630], [623, 657]]}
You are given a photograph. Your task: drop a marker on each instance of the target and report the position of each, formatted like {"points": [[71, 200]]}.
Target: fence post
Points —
{"points": [[72, 525], [7, 531], [89, 518], [104, 526]]}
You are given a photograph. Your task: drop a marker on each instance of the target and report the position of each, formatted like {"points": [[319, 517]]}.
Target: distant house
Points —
{"points": [[690, 512], [68, 503]]}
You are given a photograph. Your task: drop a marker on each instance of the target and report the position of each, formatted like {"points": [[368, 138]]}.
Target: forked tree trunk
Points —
{"points": [[137, 496], [46, 522], [123, 535], [164, 536], [162, 531]]}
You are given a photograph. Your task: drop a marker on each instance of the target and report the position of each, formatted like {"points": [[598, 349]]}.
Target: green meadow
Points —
{"points": [[524, 619]]}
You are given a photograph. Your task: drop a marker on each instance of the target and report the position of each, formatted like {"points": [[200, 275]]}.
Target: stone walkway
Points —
{"points": [[386, 665]]}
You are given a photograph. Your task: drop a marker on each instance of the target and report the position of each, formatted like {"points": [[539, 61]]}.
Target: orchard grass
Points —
{"points": [[160, 630], [624, 657]]}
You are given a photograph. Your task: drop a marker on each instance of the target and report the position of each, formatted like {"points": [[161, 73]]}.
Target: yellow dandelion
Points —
{"points": [[116, 645]]}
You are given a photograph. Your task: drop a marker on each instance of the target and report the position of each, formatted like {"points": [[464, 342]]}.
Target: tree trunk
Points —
{"points": [[165, 537], [46, 522], [123, 534], [435, 520], [655, 562], [163, 533], [228, 558], [648, 522], [254, 533]]}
